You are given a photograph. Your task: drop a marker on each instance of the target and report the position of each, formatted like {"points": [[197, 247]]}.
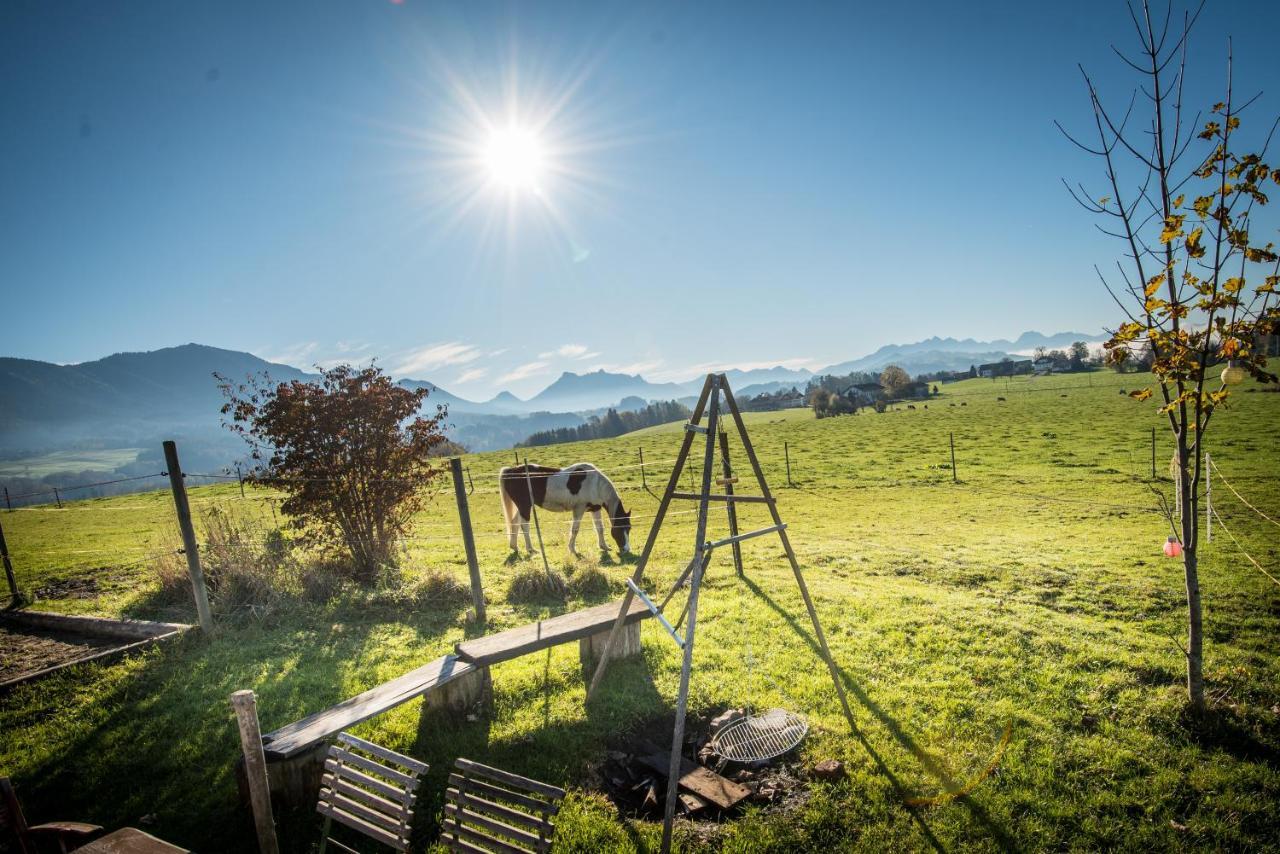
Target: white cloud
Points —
{"points": [[495, 353], [434, 356], [470, 375], [628, 368], [569, 351], [297, 355], [528, 369]]}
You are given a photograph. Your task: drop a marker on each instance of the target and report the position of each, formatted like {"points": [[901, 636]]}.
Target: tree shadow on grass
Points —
{"points": [[895, 729]]}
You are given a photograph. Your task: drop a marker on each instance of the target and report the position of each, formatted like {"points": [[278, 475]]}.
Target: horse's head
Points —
{"points": [[622, 528]]}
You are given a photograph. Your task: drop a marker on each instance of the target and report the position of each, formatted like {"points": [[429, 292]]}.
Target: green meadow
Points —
{"points": [[1009, 643]]}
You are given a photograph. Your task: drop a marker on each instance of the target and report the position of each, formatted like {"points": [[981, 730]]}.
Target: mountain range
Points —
{"points": [[131, 400]]}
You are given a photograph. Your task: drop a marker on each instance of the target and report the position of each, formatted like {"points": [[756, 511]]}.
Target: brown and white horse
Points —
{"points": [[579, 488]]}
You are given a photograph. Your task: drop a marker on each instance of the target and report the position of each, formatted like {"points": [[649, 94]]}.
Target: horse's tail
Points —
{"points": [[509, 509]]}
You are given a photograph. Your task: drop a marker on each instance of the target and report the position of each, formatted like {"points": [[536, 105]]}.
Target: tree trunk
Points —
{"points": [[1190, 546]]}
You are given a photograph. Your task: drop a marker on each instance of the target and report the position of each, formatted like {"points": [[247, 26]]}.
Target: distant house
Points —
{"points": [[914, 391], [863, 394], [1006, 368], [1048, 365]]}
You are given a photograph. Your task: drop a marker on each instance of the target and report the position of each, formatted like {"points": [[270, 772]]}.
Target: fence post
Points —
{"points": [[1153, 453], [189, 544], [644, 483], [471, 484], [955, 478], [786, 452], [8, 567], [57, 497], [1208, 498], [240, 478], [7, 503], [255, 770], [728, 490], [468, 541]]}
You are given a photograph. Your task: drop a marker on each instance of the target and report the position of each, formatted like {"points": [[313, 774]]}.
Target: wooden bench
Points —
{"points": [[488, 809], [590, 627]]}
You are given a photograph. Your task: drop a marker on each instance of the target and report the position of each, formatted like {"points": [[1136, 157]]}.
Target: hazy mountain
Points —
{"points": [[575, 392], [952, 354]]}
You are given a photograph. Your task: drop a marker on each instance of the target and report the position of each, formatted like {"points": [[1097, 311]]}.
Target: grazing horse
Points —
{"points": [[579, 488]]}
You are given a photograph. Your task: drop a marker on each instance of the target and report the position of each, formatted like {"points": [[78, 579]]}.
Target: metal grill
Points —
{"points": [[760, 737]]}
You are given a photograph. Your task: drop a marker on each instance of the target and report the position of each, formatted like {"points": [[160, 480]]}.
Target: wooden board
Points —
{"points": [[703, 782], [300, 735], [522, 640]]}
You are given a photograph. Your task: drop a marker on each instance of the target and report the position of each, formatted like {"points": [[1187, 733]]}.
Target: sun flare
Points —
{"points": [[515, 158]]}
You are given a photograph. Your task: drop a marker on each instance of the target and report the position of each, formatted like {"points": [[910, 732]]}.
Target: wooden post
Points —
{"points": [[955, 478], [732, 505], [57, 497], [240, 479], [471, 485], [7, 503], [786, 452], [1153, 453], [255, 768], [468, 541], [8, 567], [644, 483], [189, 544], [533, 511]]}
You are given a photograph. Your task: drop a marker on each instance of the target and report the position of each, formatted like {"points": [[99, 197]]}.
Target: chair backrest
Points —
{"points": [[369, 789], [490, 809], [13, 825]]}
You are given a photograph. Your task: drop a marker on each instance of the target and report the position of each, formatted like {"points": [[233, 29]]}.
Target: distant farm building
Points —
{"points": [[1050, 365], [1006, 368], [863, 394]]}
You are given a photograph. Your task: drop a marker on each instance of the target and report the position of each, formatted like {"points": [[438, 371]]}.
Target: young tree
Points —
{"points": [[894, 379], [1197, 289], [353, 465], [1079, 353]]}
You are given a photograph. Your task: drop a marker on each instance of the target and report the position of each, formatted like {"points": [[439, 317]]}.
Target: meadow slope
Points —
{"points": [[1030, 598]]}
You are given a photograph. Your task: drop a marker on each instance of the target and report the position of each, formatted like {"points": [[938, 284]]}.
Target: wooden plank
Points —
{"points": [[475, 769], [101, 656], [395, 809], [128, 629], [565, 628], [703, 782], [298, 736], [415, 767], [474, 819], [450, 827], [362, 779], [369, 830], [478, 804], [464, 846], [389, 823], [345, 757], [472, 785]]}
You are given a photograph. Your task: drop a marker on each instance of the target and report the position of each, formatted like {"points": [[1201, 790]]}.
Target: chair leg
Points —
{"points": [[324, 834]]}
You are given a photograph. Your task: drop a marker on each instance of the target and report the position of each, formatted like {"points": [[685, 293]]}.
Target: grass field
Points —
{"points": [[1030, 598]]}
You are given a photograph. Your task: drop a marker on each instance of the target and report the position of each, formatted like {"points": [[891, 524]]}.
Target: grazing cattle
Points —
{"points": [[1000, 399], [578, 489], [910, 406]]}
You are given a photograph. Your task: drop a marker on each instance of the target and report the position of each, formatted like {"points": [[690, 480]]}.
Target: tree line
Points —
{"points": [[612, 423]]}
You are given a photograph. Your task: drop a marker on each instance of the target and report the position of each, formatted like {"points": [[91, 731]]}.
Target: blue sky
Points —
{"points": [[723, 184]]}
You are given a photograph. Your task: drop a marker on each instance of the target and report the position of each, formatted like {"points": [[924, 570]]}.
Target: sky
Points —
{"points": [[484, 195]]}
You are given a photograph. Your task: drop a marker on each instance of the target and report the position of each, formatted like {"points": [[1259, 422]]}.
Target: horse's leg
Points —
{"points": [[595, 514], [524, 526], [573, 531]]}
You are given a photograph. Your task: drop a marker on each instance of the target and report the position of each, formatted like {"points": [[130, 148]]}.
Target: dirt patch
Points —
{"points": [[70, 588], [25, 650]]}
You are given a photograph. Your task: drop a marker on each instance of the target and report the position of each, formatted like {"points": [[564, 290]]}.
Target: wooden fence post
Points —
{"points": [[731, 504], [189, 544], [786, 452], [7, 503], [468, 541], [643, 483], [8, 567], [255, 770], [1153, 453], [240, 479], [57, 497], [471, 484], [954, 477]]}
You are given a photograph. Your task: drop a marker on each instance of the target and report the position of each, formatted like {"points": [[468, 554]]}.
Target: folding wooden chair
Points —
{"points": [[369, 789], [487, 809], [68, 834]]}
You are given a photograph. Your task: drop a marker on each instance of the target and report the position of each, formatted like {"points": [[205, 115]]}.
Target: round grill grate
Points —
{"points": [[760, 737]]}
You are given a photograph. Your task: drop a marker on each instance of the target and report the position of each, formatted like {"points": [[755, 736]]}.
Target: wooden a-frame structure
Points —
{"points": [[715, 394]]}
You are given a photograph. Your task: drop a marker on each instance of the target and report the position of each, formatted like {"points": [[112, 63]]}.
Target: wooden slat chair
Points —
{"points": [[369, 789], [487, 809], [13, 824]]}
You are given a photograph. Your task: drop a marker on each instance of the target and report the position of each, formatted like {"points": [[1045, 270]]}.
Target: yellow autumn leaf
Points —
{"points": [[1140, 395]]}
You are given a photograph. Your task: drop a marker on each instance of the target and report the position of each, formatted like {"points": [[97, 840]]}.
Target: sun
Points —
{"points": [[515, 158]]}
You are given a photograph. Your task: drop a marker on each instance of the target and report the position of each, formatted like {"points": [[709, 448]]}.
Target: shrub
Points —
{"points": [[590, 582], [534, 584]]}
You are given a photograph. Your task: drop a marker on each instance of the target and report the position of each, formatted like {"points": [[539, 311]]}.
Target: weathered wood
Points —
{"points": [[40, 619], [731, 507], [462, 694], [128, 629], [474, 819], [474, 802], [485, 805], [8, 565], [189, 544], [772, 529], [130, 840], [590, 647], [468, 540], [340, 786], [255, 767], [301, 735], [703, 782], [543, 634], [451, 828], [407, 762], [469, 769], [471, 784], [356, 784], [358, 824], [335, 770]]}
